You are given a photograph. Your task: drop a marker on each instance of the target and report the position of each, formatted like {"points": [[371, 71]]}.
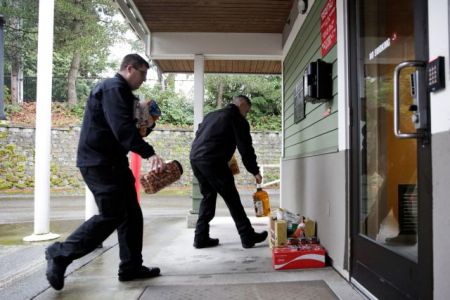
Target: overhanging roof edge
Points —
{"points": [[136, 22], [218, 57], [243, 46]]}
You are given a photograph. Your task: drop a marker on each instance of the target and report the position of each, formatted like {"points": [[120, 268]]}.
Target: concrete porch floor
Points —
{"points": [[168, 245]]}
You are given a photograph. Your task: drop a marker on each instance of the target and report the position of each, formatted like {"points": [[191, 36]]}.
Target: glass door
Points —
{"points": [[391, 148]]}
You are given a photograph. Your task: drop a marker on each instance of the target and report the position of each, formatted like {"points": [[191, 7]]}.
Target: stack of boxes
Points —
{"points": [[294, 243]]}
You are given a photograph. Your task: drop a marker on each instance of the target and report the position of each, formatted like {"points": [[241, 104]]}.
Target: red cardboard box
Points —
{"points": [[298, 257]]}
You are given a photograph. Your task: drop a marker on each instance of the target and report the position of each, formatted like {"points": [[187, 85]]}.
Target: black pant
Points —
{"points": [[115, 195], [216, 178]]}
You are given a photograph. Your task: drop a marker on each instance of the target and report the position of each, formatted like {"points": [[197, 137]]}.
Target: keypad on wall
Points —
{"points": [[436, 74]]}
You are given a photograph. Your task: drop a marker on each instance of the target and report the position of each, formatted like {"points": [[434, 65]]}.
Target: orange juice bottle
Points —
{"points": [[261, 202]]}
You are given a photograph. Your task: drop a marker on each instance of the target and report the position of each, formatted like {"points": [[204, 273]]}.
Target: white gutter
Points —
{"points": [[298, 23], [136, 21]]}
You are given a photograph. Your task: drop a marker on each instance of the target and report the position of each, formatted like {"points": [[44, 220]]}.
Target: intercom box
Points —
{"points": [[318, 82]]}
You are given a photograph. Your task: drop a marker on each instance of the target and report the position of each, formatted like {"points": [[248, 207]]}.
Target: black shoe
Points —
{"points": [[55, 272], [255, 238], [142, 273], [209, 242]]}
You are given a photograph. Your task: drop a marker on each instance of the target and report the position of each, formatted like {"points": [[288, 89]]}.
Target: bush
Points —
{"points": [[6, 95], [12, 108], [175, 108], [264, 123], [78, 109]]}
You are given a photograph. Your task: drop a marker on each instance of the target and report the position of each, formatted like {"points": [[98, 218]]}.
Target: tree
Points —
{"points": [[84, 30], [20, 40]]}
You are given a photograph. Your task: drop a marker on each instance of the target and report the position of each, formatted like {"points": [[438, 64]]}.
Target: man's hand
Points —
{"points": [[156, 163], [258, 178]]}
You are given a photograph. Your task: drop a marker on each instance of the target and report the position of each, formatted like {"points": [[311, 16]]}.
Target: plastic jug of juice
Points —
{"points": [[261, 202]]}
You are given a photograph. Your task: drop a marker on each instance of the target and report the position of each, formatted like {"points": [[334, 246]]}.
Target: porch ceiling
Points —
{"points": [[222, 66], [223, 17], [264, 16]]}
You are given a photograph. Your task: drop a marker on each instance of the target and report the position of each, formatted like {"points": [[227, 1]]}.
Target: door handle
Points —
{"points": [[411, 63]]}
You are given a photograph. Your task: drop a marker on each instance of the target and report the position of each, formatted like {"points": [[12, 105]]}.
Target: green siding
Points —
{"points": [[317, 133]]}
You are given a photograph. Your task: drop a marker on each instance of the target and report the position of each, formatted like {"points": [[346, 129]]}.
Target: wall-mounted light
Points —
{"points": [[302, 6]]}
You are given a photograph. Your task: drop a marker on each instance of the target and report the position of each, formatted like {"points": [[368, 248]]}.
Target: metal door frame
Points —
{"points": [[424, 287]]}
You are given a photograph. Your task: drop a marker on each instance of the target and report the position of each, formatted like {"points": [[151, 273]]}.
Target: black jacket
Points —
{"points": [[219, 134], [109, 129]]}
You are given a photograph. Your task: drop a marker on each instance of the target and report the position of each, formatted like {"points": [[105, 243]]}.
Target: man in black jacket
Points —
{"points": [[214, 144], [108, 133]]}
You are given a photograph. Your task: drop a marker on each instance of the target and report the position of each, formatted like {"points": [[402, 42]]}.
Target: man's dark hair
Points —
{"points": [[135, 60], [242, 98]]}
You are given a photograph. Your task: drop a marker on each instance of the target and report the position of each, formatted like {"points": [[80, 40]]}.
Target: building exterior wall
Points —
{"points": [[441, 209], [313, 170], [318, 132], [315, 187], [438, 30]]}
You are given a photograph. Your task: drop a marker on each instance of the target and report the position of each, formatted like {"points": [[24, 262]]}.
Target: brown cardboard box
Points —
{"points": [[278, 233], [310, 228]]}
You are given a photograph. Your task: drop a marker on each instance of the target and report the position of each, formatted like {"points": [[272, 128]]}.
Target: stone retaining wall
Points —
{"points": [[17, 156]]}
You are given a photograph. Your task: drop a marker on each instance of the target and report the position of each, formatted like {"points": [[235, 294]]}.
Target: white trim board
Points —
{"points": [[185, 45]]}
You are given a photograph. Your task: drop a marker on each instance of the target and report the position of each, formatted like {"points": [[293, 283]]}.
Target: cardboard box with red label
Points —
{"points": [[298, 257], [278, 233]]}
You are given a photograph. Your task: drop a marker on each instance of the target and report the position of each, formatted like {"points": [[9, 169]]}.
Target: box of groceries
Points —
{"points": [[298, 257]]}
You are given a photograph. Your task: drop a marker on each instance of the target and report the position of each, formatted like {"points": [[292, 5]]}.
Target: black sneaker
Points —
{"points": [[142, 273], [205, 243], [256, 238], [55, 272]]}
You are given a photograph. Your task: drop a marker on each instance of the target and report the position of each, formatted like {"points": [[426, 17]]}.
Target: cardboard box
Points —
{"points": [[310, 228], [278, 233], [298, 257]]}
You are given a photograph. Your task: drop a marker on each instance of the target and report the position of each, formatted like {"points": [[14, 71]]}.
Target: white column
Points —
{"points": [[91, 206], [199, 70], [2, 57], [43, 125], [343, 75]]}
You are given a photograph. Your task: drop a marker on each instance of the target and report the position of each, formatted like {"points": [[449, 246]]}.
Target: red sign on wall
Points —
{"points": [[328, 26]]}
